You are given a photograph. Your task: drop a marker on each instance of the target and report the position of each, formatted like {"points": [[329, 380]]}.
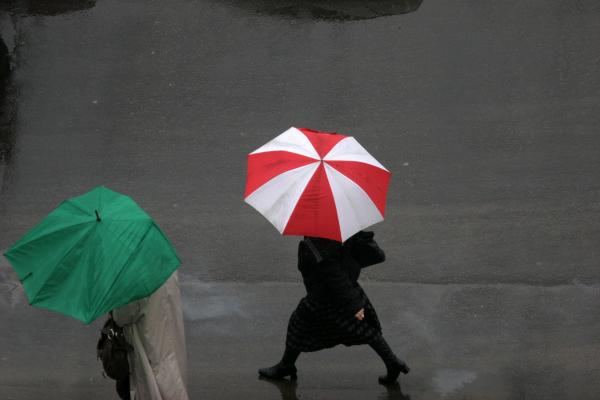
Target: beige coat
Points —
{"points": [[154, 327]]}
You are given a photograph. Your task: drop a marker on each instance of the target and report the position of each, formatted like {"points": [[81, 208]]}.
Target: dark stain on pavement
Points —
{"points": [[11, 11], [587, 5], [7, 106], [341, 10], [46, 7]]}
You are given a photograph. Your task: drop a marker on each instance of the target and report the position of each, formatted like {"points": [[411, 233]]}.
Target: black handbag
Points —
{"points": [[365, 249], [112, 349]]}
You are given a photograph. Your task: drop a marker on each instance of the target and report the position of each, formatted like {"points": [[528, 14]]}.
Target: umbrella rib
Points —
{"points": [[362, 189], [352, 207], [281, 194], [140, 218], [35, 239], [356, 154], [125, 264], [33, 299], [355, 211], [293, 138], [74, 204]]}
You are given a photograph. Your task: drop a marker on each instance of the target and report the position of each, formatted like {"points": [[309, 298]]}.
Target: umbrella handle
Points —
{"points": [[97, 216]]}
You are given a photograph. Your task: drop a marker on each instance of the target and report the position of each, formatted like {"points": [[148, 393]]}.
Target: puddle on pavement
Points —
{"points": [[447, 381], [205, 301], [341, 10]]}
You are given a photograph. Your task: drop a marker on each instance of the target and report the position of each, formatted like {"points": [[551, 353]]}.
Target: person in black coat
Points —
{"points": [[335, 309]]}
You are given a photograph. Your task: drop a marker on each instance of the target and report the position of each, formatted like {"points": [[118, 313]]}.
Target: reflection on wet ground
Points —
{"points": [[4, 60], [447, 381], [394, 392], [341, 10], [288, 390], [7, 105], [465, 342], [10, 13]]}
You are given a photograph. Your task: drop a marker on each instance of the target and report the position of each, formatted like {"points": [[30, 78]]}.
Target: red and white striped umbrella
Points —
{"points": [[312, 183]]}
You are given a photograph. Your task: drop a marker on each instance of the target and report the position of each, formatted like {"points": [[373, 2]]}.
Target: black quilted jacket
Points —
{"points": [[330, 270]]}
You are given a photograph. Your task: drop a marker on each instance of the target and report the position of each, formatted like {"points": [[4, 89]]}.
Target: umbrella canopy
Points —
{"points": [[313, 183], [93, 253]]}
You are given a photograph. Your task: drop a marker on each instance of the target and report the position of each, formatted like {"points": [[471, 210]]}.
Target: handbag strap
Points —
{"points": [[314, 250]]}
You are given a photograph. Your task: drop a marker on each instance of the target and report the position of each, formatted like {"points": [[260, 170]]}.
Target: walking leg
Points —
{"points": [[290, 356], [392, 363], [284, 367]]}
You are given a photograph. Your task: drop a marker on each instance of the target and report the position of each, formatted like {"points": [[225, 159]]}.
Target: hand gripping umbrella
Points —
{"points": [[92, 254], [313, 183]]}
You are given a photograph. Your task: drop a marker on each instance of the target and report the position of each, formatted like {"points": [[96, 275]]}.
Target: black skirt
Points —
{"points": [[316, 325]]}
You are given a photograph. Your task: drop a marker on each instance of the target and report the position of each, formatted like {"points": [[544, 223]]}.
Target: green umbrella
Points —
{"points": [[92, 254]]}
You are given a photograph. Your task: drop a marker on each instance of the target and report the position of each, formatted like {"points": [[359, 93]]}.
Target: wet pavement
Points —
{"points": [[462, 342], [486, 113]]}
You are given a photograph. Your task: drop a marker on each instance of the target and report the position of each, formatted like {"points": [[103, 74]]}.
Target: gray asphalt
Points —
{"points": [[486, 113], [462, 342]]}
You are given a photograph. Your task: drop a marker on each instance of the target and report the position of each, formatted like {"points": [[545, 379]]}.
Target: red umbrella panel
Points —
{"points": [[312, 183]]}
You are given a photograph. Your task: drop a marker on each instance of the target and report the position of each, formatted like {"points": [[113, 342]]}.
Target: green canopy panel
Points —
{"points": [[92, 254]]}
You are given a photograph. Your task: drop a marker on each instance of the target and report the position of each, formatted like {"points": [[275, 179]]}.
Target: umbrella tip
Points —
{"points": [[97, 216]]}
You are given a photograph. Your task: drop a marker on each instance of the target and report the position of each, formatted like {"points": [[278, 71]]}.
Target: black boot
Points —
{"points": [[284, 367], [393, 364]]}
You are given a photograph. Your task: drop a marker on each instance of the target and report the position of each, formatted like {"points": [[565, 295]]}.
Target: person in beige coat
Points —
{"points": [[154, 327]]}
